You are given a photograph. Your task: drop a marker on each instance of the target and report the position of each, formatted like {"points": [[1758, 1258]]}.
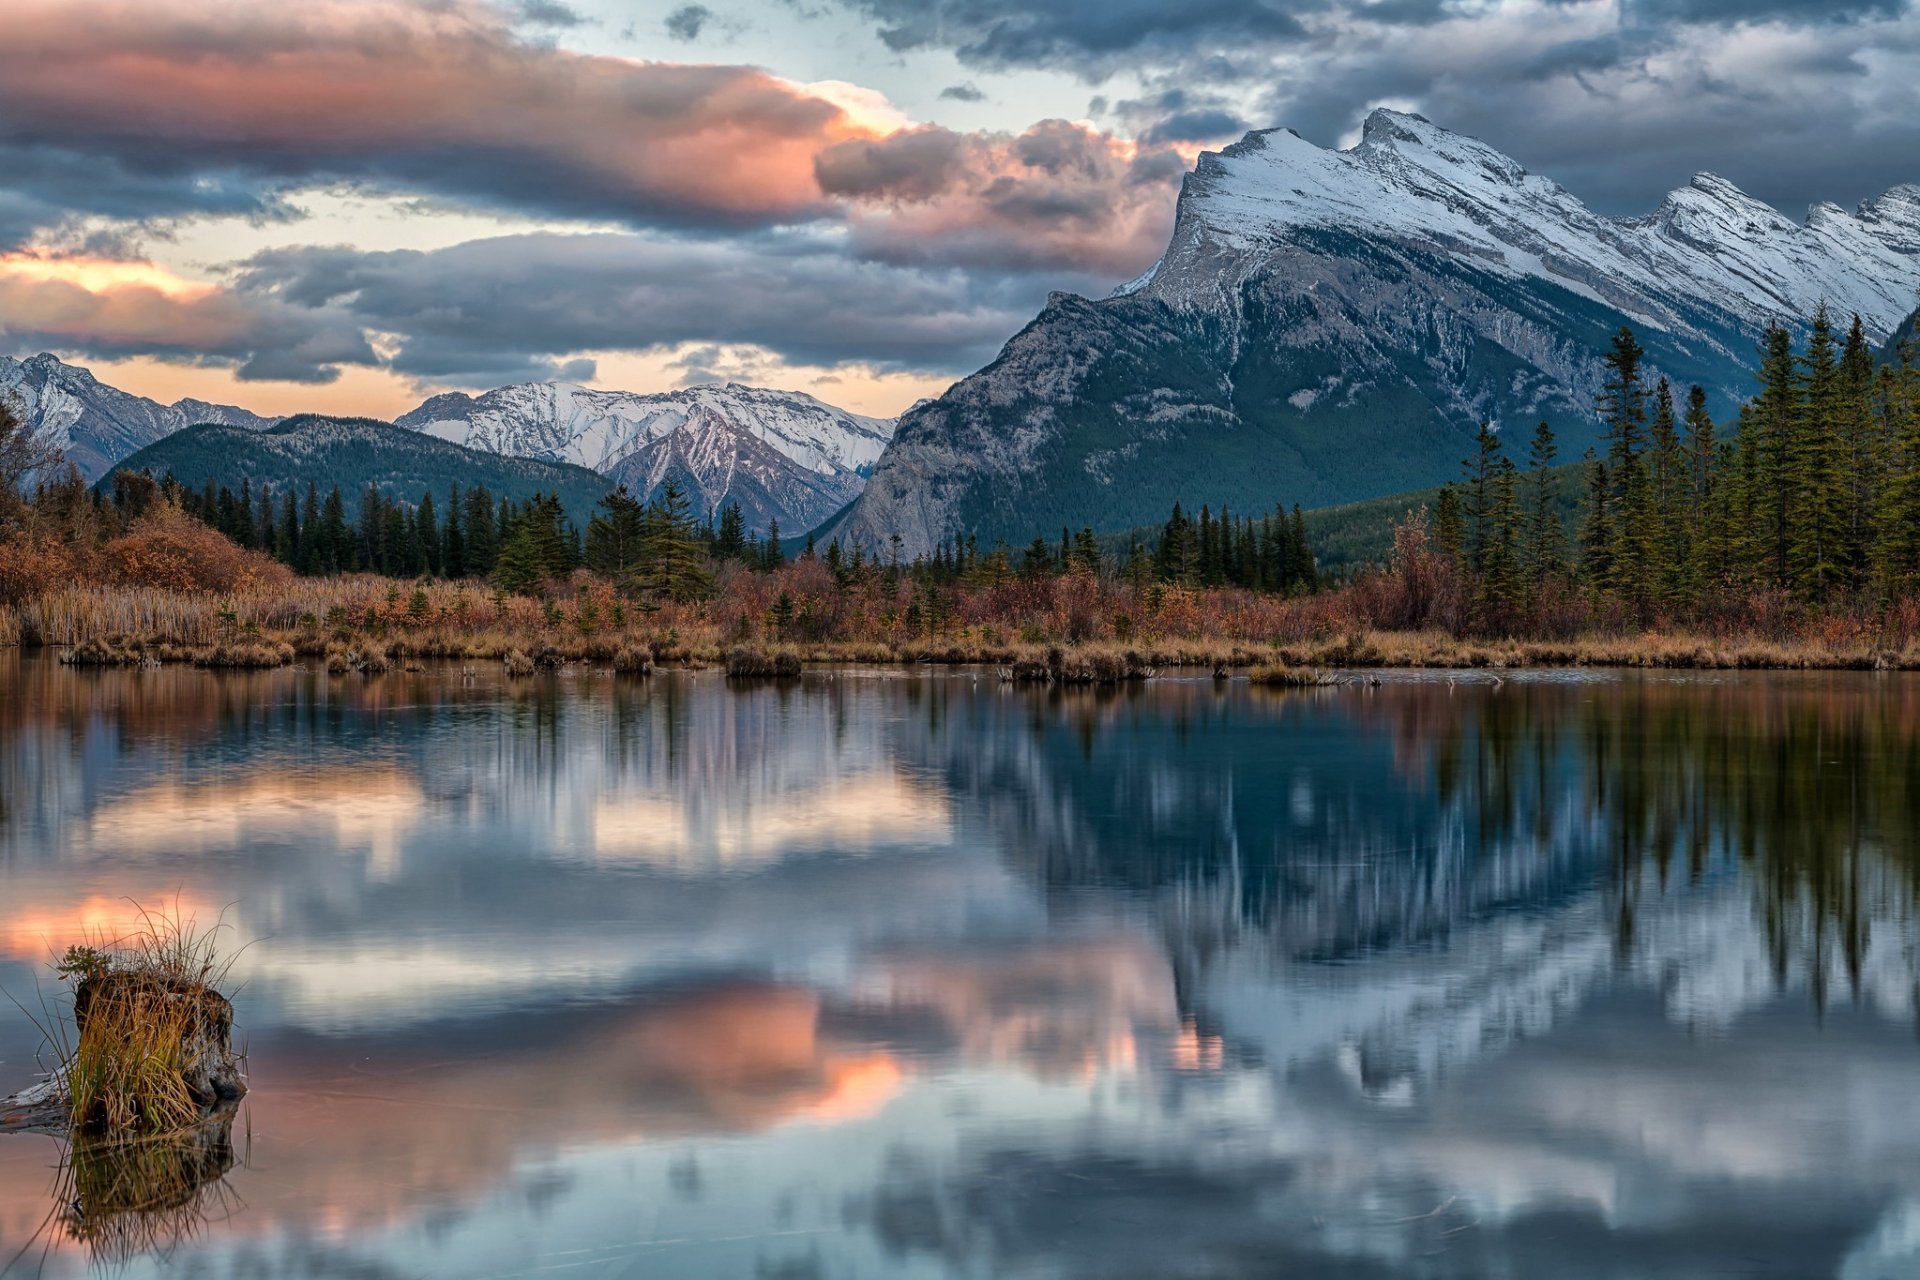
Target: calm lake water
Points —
{"points": [[915, 975]]}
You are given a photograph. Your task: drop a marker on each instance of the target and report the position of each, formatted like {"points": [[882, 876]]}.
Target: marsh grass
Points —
{"points": [[123, 1198], [151, 1033]]}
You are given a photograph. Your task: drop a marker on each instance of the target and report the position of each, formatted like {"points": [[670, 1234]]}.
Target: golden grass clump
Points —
{"points": [[1281, 676], [747, 663], [153, 1047], [125, 1197]]}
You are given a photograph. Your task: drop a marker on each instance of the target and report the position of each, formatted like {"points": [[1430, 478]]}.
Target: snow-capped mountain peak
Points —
{"points": [[1329, 325], [827, 450], [1710, 245], [94, 425]]}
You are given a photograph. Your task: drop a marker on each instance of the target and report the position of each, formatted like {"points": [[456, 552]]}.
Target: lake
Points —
{"points": [[894, 973]]}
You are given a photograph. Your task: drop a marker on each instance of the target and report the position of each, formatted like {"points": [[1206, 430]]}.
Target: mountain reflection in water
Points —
{"points": [[897, 974]]}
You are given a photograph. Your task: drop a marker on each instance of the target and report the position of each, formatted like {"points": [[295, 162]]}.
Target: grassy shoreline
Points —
{"points": [[351, 626]]}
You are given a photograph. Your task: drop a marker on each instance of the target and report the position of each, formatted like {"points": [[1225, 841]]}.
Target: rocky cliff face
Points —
{"points": [[1332, 325]]}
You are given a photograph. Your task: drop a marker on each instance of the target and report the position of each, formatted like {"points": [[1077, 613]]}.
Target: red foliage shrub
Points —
{"points": [[170, 550]]}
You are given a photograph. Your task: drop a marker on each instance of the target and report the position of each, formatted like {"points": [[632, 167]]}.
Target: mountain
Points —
{"points": [[716, 460], [782, 455], [356, 452], [95, 425], [1329, 326]]}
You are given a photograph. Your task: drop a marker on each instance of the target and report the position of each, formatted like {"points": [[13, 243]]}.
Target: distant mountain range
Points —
{"points": [[95, 425], [1328, 326], [782, 455], [354, 453]]}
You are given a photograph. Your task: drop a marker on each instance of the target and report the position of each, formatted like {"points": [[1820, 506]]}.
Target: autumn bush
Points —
{"points": [[172, 551]]}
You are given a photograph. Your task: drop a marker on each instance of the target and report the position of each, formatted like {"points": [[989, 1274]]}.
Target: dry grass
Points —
{"points": [[151, 1029], [363, 623], [124, 1198], [1282, 676], [747, 663]]}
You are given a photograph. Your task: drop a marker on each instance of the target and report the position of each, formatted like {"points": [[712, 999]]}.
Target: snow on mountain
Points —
{"points": [[95, 425], [1710, 244], [824, 451], [717, 461], [1328, 326]]}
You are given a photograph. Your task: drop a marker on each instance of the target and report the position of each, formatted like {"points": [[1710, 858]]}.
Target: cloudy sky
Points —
{"points": [[343, 205]]}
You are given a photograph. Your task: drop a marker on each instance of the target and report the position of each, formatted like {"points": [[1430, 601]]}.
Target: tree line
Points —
{"points": [[1814, 493]]}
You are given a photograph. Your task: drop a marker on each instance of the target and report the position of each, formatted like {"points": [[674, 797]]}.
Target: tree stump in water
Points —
{"points": [[126, 1021]]}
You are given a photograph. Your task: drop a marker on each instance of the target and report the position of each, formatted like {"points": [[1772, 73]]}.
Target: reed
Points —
{"points": [[152, 1047]]}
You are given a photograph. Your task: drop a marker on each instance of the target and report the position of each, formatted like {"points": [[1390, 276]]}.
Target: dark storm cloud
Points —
{"points": [[1082, 33], [686, 22], [43, 188], [548, 13], [968, 92], [1808, 12], [498, 310]]}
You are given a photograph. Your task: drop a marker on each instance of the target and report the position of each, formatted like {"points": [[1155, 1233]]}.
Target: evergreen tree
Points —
{"points": [[1597, 536], [1546, 551], [482, 532], [426, 537], [1816, 506], [308, 557], [731, 542], [1671, 502], [1631, 516], [1037, 563], [614, 533], [1767, 448], [1449, 526], [672, 564], [286, 540], [453, 542], [775, 556]]}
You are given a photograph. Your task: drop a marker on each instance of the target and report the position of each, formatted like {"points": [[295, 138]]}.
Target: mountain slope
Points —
{"points": [[1908, 332], [1331, 326], [354, 453], [717, 461], [95, 425], [805, 459]]}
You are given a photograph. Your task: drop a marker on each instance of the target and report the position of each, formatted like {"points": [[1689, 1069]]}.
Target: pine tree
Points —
{"points": [[308, 559], [1671, 501], [286, 541], [1500, 586], [1597, 536], [614, 533], [731, 542], [1546, 551], [775, 556], [673, 566], [1623, 408], [426, 536], [1897, 544], [1767, 447], [1037, 563], [1863, 457], [1816, 508], [1449, 526], [482, 530], [453, 542], [1478, 495]]}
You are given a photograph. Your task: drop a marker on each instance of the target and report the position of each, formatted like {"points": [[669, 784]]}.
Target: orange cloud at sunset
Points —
{"points": [[441, 95]]}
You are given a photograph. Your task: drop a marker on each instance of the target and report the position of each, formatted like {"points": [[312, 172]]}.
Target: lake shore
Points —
{"points": [[367, 625]]}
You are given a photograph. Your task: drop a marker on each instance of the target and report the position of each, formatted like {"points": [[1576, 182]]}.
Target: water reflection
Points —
{"points": [[917, 976]]}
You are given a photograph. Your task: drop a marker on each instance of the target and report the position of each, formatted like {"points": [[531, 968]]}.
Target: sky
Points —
{"points": [[347, 205]]}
